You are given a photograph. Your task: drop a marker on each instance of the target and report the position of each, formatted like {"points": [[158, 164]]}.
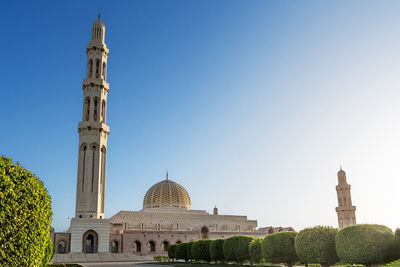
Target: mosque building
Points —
{"points": [[167, 216]]}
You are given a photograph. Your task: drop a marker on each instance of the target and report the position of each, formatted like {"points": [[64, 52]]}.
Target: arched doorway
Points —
{"points": [[114, 246], [152, 246], [204, 233], [270, 231], [178, 242], [90, 242], [61, 247], [165, 245], [138, 246]]}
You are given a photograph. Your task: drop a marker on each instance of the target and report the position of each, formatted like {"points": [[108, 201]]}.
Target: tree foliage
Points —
{"points": [[255, 250], [25, 216], [201, 250], [366, 244], [317, 245], [236, 248], [216, 250], [279, 248]]}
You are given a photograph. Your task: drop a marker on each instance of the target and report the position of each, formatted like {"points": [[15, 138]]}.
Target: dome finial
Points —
{"points": [[166, 177], [99, 16]]}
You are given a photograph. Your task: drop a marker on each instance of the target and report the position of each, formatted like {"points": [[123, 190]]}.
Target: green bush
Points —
{"points": [[279, 248], [161, 258], [366, 244], [171, 251], [317, 245], [181, 251], [217, 250], [189, 250], [49, 252], [201, 250], [25, 216], [255, 250], [236, 248]]}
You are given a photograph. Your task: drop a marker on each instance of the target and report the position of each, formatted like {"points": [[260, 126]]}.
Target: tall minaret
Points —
{"points": [[93, 130], [346, 211]]}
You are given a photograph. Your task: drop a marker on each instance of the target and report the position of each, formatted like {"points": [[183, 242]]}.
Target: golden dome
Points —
{"points": [[167, 194]]}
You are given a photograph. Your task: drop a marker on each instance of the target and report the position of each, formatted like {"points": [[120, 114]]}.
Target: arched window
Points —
{"points": [[103, 111], [152, 246], [97, 68], [114, 246], [103, 173], [104, 71], [83, 158], [165, 245], [87, 104], [61, 247], [138, 246], [94, 148], [96, 100], [344, 201], [204, 233], [90, 241], [90, 68]]}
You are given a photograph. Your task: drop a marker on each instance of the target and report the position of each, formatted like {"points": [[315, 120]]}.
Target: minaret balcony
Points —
{"points": [[94, 125], [87, 82]]}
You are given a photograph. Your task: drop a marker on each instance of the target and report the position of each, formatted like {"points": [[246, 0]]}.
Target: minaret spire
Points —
{"points": [[166, 176], [93, 130], [346, 212]]}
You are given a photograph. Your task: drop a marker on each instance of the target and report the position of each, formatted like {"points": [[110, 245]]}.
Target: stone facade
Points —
{"points": [[346, 212]]}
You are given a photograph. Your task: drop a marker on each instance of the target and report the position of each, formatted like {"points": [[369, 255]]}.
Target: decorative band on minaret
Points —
{"points": [[346, 211], [93, 131]]}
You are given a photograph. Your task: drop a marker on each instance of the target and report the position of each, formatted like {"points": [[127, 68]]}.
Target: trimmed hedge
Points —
{"points": [[279, 248], [217, 250], [189, 250], [181, 251], [255, 250], [201, 250], [366, 244], [171, 251], [317, 245], [236, 248], [25, 216]]}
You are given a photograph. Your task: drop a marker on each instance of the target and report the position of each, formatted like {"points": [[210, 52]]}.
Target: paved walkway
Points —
{"points": [[103, 258]]}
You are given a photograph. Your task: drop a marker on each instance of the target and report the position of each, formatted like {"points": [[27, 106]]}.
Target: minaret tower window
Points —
{"points": [[87, 101], [95, 109], [104, 71], [97, 68], [103, 111], [90, 68]]}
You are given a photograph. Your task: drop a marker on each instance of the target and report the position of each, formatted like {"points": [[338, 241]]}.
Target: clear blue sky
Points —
{"points": [[251, 105]]}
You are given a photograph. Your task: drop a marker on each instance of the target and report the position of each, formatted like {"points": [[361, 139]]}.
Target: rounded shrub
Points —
{"points": [[317, 245], [181, 251], [25, 216], [236, 248], [48, 253], [255, 250], [279, 248], [366, 244], [216, 250], [171, 251], [201, 250]]}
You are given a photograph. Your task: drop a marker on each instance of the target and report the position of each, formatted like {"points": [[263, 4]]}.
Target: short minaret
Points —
{"points": [[215, 210], [93, 130], [346, 211]]}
